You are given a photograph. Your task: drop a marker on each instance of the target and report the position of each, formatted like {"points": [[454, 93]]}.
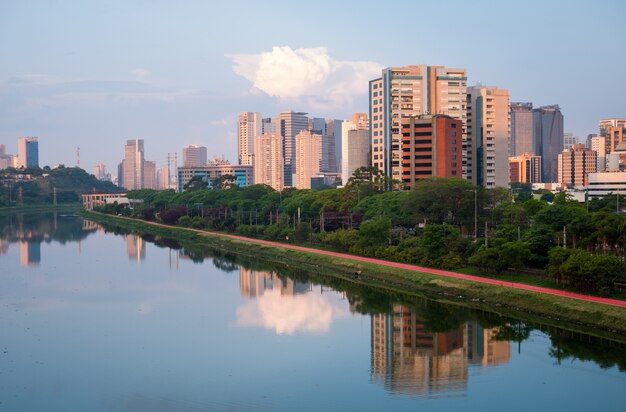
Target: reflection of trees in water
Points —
{"points": [[571, 345], [43, 227]]}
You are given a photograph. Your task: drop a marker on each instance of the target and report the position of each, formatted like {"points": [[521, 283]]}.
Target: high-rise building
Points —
{"points": [[27, 152], [598, 145], [135, 172], [355, 152], [402, 92], [194, 155], [308, 158], [525, 168], [100, 172], [333, 131], [359, 121], [521, 128], [290, 124], [149, 175], [249, 124], [488, 133], [162, 178], [548, 140], [431, 147], [575, 164], [268, 160], [6, 160], [569, 140], [613, 131]]}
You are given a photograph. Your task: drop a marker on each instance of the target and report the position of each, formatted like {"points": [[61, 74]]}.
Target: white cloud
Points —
{"points": [[140, 75], [308, 75]]}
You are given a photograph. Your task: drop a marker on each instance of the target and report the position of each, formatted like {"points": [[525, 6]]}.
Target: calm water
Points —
{"points": [[101, 321]]}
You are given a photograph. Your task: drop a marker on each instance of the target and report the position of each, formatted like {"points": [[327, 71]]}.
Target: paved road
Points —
{"points": [[444, 273]]}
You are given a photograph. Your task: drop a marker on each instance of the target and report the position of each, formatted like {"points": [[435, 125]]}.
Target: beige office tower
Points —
{"points": [[132, 168], [575, 164], [489, 134], [194, 155], [614, 132], [268, 160], [598, 145], [411, 91], [521, 129], [308, 158], [249, 124]]}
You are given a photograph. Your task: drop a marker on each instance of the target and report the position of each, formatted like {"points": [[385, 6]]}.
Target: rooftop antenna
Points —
{"points": [[77, 156]]}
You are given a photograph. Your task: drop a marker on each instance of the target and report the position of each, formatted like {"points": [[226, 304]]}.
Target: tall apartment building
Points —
{"points": [[27, 152], [249, 124], [548, 140], [194, 155], [6, 160], [575, 164], [525, 168], [432, 146], [598, 145], [489, 131], [308, 158], [162, 178], [521, 128], [289, 125], [268, 160], [402, 92], [614, 131], [569, 140]]}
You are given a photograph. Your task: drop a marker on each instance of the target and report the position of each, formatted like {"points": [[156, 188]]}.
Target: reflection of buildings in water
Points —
{"points": [[88, 225], [135, 248], [4, 247], [30, 253], [482, 347], [408, 359], [254, 283]]}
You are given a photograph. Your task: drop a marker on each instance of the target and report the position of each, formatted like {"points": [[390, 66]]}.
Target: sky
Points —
{"points": [[92, 74]]}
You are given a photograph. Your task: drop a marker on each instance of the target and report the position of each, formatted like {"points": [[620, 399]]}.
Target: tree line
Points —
{"points": [[443, 223]]}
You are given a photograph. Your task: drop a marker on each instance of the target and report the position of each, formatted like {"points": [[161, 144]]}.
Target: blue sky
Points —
{"points": [[93, 74]]}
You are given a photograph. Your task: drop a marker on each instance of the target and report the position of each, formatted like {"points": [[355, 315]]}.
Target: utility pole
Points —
{"points": [[565, 237]]}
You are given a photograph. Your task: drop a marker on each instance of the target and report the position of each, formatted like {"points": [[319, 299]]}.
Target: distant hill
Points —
{"points": [[36, 186]]}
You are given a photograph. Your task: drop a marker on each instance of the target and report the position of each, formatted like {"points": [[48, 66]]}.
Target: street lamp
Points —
{"points": [[475, 211]]}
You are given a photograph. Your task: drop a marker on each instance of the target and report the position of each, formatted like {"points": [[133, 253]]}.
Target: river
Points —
{"points": [[94, 319]]}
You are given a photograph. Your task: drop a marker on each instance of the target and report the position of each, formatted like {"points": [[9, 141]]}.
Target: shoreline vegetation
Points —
{"points": [[565, 313], [44, 207]]}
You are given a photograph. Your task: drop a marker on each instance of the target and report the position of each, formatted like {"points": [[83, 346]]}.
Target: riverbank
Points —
{"points": [[550, 309]]}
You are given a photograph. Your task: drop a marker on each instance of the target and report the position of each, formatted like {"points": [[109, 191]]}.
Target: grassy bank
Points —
{"points": [[588, 317]]}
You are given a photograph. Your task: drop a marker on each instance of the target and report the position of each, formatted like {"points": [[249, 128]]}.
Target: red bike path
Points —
{"points": [[444, 273]]}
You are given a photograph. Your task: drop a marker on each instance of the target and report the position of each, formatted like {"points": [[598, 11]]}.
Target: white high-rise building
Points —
{"points": [[249, 124], [289, 125]]}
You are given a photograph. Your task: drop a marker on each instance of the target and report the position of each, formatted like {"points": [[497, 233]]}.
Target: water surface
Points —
{"points": [[104, 321]]}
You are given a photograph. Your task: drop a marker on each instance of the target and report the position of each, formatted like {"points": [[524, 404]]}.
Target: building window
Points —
{"points": [[376, 133]]}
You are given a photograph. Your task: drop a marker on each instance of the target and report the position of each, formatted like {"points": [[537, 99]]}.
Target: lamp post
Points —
{"points": [[475, 211]]}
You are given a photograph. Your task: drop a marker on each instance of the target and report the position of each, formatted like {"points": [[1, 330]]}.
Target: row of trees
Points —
{"points": [[447, 223]]}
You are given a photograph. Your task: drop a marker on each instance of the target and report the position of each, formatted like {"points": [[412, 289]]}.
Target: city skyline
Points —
{"points": [[173, 86]]}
